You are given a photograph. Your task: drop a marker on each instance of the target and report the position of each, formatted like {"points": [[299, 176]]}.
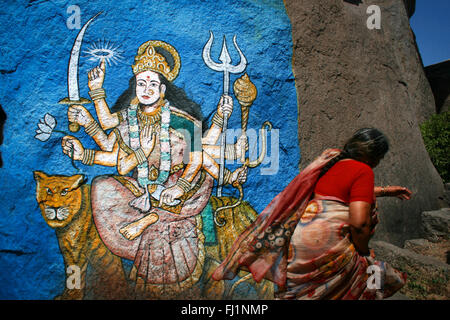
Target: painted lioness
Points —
{"points": [[65, 205]]}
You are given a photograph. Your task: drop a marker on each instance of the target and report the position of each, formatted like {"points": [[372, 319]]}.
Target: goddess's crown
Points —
{"points": [[151, 56]]}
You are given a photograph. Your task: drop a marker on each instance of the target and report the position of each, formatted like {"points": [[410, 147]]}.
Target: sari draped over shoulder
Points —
{"points": [[303, 245], [169, 255]]}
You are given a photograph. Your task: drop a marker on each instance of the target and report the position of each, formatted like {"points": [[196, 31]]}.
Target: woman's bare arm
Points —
{"points": [[402, 193], [360, 222]]}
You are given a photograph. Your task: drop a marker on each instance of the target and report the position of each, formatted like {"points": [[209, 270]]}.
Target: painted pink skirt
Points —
{"points": [[168, 251]]}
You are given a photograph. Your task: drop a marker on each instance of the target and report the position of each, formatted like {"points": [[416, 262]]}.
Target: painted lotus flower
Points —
{"points": [[45, 127]]}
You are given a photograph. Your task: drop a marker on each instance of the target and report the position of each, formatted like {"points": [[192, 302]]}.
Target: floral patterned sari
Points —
{"points": [[324, 264], [304, 247]]}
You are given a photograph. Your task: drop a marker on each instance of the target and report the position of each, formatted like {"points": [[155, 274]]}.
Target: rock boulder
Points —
{"points": [[427, 277], [348, 77], [436, 224]]}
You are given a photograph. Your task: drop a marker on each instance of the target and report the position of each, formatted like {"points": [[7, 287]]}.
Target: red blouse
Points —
{"points": [[348, 180]]}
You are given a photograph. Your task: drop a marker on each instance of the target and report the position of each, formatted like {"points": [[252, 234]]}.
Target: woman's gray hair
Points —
{"points": [[367, 145]]}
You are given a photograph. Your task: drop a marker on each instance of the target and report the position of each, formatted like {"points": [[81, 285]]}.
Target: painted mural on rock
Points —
{"points": [[153, 135]]}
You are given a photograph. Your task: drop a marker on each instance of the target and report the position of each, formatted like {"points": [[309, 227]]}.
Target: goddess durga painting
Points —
{"points": [[150, 212]]}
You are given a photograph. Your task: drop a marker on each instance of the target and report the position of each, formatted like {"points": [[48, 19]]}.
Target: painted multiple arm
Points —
{"points": [[109, 148], [211, 151], [110, 154]]}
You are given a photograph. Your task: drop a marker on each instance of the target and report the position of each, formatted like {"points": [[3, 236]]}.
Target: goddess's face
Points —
{"points": [[149, 87]]}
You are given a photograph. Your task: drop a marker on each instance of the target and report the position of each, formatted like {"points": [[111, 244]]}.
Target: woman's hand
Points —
{"points": [[79, 114], [72, 147], [399, 192], [148, 139], [96, 76], [394, 191], [225, 105]]}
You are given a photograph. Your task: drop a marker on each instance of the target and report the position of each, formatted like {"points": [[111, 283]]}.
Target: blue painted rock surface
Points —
{"points": [[35, 48]]}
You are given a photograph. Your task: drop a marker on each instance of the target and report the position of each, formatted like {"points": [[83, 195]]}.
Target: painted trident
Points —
{"points": [[226, 67]]}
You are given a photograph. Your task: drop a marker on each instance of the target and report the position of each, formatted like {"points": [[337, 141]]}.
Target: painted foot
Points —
{"points": [[135, 229]]}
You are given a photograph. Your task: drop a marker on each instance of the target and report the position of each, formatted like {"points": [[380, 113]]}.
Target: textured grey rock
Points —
{"points": [[436, 224], [349, 77], [446, 196], [427, 277], [398, 256], [439, 250], [415, 244]]}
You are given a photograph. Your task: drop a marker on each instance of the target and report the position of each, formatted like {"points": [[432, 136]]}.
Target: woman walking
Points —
{"points": [[312, 239]]}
